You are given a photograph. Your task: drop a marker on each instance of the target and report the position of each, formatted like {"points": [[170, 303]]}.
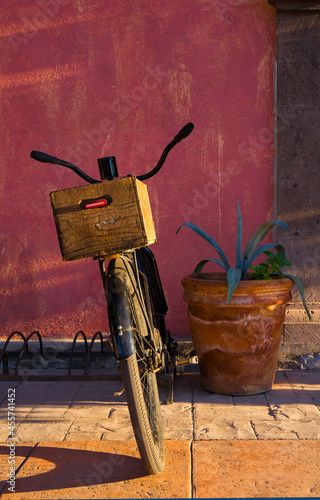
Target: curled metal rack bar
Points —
{"points": [[25, 348], [88, 350], [80, 332], [97, 334], [4, 354]]}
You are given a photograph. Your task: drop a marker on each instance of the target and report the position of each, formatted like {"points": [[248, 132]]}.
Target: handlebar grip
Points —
{"points": [[37, 155], [184, 132]]}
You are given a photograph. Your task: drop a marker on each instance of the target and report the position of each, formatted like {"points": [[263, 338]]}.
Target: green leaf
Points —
{"points": [[270, 254], [208, 238], [233, 278], [202, 263], [301, 289], [239, 239], [260, 250]]}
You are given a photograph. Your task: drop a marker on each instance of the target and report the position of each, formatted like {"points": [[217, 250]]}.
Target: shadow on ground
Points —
{"points": [[51, 468]]}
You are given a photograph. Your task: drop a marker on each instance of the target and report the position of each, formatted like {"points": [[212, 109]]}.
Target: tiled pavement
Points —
{"points": [[74, 440]]}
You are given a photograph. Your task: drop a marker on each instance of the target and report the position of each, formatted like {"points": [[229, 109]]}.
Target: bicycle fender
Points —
{"points": [[119, 313], [123, 345]]}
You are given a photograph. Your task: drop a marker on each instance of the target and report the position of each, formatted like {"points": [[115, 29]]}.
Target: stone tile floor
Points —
{"points": [[63, 411], [74, 440]]}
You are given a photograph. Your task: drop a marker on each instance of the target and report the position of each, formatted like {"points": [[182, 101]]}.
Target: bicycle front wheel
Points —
{"points": [[138, 376], [143, 402]]}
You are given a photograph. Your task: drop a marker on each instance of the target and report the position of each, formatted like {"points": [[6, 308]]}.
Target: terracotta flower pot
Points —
{"points": [[237, 344]]}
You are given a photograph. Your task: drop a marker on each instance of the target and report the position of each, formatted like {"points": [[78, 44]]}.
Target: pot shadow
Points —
{"points": [[52, 468]]}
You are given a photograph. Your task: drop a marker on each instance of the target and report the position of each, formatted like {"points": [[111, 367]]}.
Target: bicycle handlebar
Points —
{"points": [[37, 155], [182, 134], [45, 158]]}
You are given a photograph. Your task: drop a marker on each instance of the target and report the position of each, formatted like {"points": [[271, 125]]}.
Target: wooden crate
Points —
{"points": [[124, 224]]}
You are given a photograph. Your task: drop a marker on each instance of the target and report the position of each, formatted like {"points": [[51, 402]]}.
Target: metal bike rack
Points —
{"points": [[4, 354]]}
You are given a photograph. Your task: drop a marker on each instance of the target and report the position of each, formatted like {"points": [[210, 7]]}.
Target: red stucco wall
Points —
{"points": [[81, 79]]}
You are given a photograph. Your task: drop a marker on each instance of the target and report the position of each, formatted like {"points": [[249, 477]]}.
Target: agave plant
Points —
{"points": [[251, 252]]}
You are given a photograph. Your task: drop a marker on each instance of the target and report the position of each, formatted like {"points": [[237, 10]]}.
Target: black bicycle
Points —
{"points": [[136, 310]]}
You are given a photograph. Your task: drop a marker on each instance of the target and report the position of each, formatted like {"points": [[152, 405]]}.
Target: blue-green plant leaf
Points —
{"points": [[202, 263], [208, 238], [256, 237], [233, 278], [281, 250], [301, 289], [239, 239]]}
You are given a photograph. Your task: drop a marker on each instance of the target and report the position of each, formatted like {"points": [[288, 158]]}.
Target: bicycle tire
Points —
{"points": [[139, 379]]}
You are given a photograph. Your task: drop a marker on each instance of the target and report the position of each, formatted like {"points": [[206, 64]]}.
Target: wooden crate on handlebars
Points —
{"points": [[101, 219]]}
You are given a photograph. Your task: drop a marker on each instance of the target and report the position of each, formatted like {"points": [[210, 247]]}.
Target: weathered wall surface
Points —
{"points": [[298, 183], [81, 79]]}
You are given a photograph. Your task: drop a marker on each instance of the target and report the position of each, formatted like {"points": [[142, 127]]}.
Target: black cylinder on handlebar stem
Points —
{"points": [[108, 168]]}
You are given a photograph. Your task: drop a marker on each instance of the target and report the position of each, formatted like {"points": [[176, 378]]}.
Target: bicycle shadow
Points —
{"points": [[55, 468]]}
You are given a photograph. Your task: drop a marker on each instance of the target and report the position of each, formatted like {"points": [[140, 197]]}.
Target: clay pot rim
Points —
{"points": [[219, 281]]}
